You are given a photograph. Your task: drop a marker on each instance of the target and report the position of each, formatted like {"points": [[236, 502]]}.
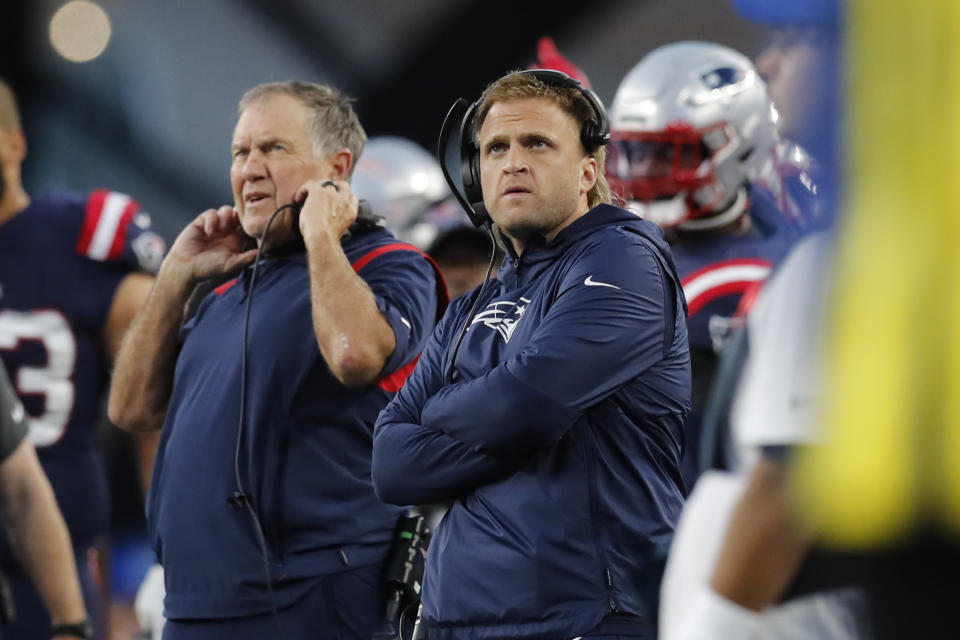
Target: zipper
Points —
{"points": [[611, 601]]}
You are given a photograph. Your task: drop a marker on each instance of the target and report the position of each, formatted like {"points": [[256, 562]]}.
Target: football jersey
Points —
{"points": [[717, 268], [61, 260]]}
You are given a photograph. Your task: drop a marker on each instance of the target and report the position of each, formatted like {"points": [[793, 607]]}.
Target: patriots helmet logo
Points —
{"points": [[502, 317], [722, 77]]}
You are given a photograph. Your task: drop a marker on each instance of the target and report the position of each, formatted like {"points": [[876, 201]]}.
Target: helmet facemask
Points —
{"points": [[692, 124]]}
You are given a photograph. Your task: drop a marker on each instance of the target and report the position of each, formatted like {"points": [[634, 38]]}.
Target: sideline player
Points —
{"points": [[692, 131], [73, 272]]}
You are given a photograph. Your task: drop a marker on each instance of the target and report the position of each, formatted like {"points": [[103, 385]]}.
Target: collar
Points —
{"points": [[601, 216]]}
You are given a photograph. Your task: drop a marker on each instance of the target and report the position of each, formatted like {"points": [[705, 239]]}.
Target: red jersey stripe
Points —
{"points": [[713, 266], [94, 207], [116, 247]]}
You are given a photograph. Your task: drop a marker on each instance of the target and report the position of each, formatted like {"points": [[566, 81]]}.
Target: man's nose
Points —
{"points": [[253, 167], [515, 161]]}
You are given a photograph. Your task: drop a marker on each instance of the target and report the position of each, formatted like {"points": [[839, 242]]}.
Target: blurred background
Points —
{"points": [[151, 112], [140, 97]]}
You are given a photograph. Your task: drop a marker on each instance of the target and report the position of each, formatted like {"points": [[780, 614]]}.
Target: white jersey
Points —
{"points": [[830, 615], [777, 402], [779, 395]]}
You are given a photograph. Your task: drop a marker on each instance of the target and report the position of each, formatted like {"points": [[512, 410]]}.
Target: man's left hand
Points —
{"points": [[328, 209]]}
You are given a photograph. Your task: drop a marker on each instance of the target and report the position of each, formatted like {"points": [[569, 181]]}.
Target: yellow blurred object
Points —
{"points": [[892, 454]]}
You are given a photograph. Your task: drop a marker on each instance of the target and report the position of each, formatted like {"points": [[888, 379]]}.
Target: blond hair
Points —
{"points": [[517, 85], [333, 123]]}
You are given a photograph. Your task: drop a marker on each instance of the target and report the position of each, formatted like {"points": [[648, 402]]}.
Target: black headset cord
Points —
{"points": [[240, 497], [466, 325]]}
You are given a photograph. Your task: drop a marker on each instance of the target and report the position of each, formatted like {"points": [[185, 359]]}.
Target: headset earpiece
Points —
{"points": [[470, 158]]}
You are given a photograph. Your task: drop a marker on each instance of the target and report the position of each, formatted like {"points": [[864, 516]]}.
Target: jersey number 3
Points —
{"points": [[53, 381]]}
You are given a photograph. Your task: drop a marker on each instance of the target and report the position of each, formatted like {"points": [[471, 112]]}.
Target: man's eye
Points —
{"points": [[496, 147], [239, 153]]}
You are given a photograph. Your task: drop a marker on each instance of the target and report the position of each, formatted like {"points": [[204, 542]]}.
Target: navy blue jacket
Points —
{"points": [[558, 440], [305, 453]]}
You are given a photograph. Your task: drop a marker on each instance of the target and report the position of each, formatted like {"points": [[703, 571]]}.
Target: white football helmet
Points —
{"points": [[404, 184], [691, 125]]}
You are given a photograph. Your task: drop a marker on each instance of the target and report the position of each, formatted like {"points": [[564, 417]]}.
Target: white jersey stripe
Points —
{"points": [[724, 275], [113, 207]]}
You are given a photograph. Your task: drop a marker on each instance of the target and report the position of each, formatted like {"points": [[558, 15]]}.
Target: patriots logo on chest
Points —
{"points": [[502, 316]]}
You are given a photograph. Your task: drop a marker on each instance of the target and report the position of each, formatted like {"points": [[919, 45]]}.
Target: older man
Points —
{"points": [[262, 510], [74, 269]]}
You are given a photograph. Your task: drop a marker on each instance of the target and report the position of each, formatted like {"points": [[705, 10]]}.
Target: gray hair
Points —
{"points": [[334, 124]]}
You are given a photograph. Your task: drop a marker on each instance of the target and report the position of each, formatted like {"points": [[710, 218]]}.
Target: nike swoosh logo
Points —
{"points": [[590, 282]]}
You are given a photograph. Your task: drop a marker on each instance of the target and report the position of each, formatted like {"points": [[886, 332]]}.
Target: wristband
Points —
{"points": [[82, 629]]}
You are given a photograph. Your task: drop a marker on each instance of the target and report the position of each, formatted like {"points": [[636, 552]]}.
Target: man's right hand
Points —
{"points": [[213, 244]]}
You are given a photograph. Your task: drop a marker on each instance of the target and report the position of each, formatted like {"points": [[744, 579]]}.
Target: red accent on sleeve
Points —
{"points": [[222, 289], [91, 219], [367, 258], [395, 380], [116, 249], [443, 296]]}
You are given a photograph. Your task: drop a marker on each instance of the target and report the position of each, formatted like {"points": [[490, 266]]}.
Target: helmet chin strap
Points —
{"points": [[720, 219], [663, 213]]}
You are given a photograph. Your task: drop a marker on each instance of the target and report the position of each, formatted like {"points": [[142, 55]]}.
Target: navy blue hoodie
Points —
{"points": [[305, 453], [557, 440]]}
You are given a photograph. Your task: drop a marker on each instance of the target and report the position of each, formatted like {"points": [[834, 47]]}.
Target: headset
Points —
{"points": [[594, 133]]}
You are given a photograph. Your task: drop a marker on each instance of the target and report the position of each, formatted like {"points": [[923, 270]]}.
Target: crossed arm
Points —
{"points": [[437, 441]]}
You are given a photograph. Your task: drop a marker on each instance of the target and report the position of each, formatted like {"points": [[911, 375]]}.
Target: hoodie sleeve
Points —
{"points": [[609, 323], [414, 464]]}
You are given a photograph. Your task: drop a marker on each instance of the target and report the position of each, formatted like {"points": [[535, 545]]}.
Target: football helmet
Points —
{"points": [[691, 125], [403, 183]]}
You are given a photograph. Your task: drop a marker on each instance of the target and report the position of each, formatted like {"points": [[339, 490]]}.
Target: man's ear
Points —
{"points": [[588, 174], [341, 162]]}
